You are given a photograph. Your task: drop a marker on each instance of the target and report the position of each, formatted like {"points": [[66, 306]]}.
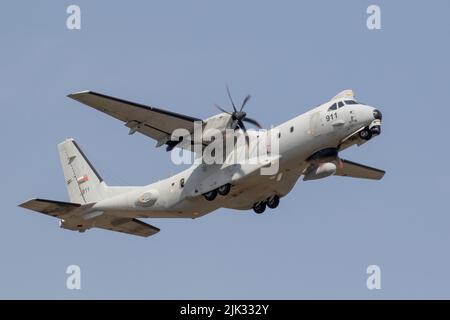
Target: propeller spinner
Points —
{"points": [[239, 116]]}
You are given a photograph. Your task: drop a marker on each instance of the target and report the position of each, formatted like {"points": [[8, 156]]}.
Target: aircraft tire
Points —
{"points": [[365, 134], [224, 190], [273, 202], [211, 195], [259, 207], [376, 130]]}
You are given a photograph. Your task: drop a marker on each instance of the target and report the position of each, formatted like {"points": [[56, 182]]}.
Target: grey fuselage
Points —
{"points": [[180, 196]]}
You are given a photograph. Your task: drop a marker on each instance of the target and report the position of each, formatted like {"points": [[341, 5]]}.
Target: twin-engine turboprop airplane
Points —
{"points": [[307, 146]]}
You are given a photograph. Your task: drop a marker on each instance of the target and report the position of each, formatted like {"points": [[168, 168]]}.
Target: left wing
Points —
{"points": [[152, 122], [355, 170]]}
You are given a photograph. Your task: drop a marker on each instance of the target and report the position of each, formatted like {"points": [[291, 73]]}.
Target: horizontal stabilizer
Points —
{"points": [[50, 207], [129, 226], [356, 170]]}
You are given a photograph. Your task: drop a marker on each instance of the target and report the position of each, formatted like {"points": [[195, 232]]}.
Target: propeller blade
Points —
{"points": [[245, 101], [231, 99], [252, 121], [247, 138], [242, 126], [221, 109]]}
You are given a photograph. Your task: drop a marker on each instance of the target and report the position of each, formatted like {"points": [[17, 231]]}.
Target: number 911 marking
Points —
{"points": [[331, 116]]}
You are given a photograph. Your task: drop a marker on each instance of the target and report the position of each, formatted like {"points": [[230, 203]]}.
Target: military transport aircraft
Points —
{"points": [[307, 146]]}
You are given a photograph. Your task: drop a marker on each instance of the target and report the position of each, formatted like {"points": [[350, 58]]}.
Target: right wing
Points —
{"points": [[356, 170], [152, 122]]}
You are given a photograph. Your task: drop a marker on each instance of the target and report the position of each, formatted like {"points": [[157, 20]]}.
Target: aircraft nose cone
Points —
{"points": [[377, 114]]}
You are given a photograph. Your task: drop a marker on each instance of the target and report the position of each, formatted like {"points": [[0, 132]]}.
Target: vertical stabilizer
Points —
{"points": [[83, 182]]}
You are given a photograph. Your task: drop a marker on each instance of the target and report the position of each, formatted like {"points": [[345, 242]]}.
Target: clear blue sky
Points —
{"points": [[291, 56]]}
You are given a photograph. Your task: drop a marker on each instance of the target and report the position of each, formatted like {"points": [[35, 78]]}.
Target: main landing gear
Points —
{"points": [[259, 207], [211, 195], [271, 202], [223, 191]]}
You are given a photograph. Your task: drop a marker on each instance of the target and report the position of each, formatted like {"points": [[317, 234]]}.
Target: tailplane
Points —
{"points": [[83, 182], [86, 187]]}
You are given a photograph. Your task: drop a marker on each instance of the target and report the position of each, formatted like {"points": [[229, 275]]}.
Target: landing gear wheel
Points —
{"points": [[375, 130], [273, 202], [211, 195], [260, 207], [365, 134], [224, 190]]}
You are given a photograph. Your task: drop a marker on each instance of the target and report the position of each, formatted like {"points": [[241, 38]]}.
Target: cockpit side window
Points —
{"points": [[340, 104], [333, 107], [350, 102]]}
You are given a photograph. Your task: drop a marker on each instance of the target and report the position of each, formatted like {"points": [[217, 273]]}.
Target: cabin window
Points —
{"points": [[182, 183], [292, 129], [279, 135], [350, 102], [340, 104]]}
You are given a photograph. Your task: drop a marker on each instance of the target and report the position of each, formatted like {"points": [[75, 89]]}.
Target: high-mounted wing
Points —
{"points": [[356, 170], [152, 122]]}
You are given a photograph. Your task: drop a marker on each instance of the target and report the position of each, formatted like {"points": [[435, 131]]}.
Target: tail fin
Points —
{"points": [[84, 184]]}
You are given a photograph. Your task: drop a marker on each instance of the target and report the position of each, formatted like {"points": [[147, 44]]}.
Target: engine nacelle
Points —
{"points": [[320, 171], [324, 155]]}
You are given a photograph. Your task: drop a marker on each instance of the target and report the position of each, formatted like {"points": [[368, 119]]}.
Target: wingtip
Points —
{"points": [[75, 94], [24, 204]]}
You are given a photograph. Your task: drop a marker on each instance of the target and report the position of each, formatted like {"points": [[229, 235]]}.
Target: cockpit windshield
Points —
{"points": [[333, 107], [341, 104], [336, 106]]}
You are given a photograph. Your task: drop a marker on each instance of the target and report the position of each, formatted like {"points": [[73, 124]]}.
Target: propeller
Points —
{"points": [[239, 116]]}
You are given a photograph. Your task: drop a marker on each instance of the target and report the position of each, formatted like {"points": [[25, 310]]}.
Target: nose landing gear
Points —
{"points": [[365, 134], [375, 130]]}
